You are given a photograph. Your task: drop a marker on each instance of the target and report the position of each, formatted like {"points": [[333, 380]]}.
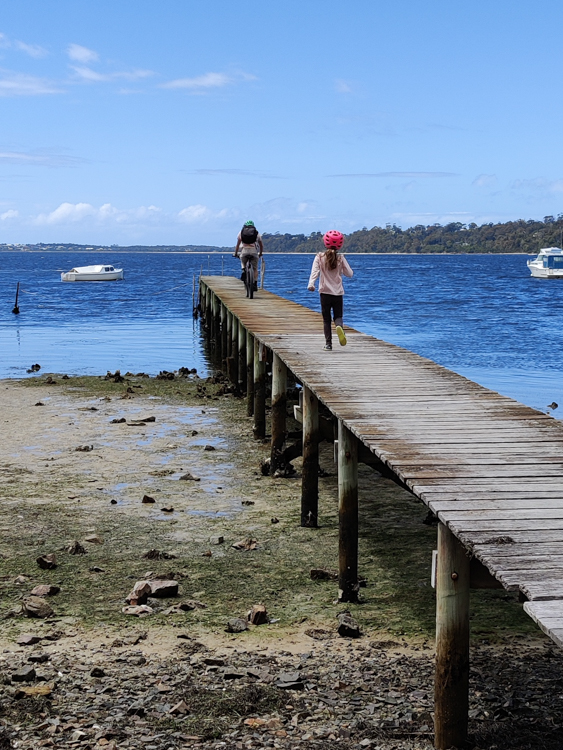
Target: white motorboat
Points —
{"points": [[93, 273], [548, 264]]}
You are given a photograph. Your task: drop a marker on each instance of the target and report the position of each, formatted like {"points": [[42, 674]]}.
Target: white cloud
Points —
{"points": [[199, 214], [87, 74], [208, 81], [485, 180], [343, 87], [41, 158], [74, 213], [10, 214], [402, 175], [33, 50], [4, 41], [21, 84], [81, 54]]}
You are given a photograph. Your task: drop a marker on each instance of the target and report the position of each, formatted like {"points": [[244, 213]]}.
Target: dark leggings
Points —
{"points": [[331, 303]]}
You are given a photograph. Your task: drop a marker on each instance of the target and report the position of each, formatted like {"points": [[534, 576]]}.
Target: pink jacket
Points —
{"points": [[330, 281]]}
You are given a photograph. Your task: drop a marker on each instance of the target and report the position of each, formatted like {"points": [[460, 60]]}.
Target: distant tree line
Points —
{"points": [[511, 237]]}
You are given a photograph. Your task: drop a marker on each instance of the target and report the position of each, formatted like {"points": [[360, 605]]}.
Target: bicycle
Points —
{"points": [[248, 276]]}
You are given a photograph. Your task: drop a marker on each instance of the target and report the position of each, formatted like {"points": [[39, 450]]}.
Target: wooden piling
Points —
{"points": [[241, 358], [223, 318], [249, 373], [16, 309], [347, 515], [229, 333], [310, 471], [234, 349], [259, 390], [279, 410], [451, 686]]}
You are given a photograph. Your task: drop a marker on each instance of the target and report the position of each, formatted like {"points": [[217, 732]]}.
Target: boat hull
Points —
{"points": [[116, 275], [546, 273]]}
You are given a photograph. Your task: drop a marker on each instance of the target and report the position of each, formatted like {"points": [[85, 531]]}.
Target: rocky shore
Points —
{"points": [[138, 530]]}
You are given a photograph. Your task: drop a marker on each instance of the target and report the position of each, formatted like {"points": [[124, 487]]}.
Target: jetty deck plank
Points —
{"points": [[489, 467]]}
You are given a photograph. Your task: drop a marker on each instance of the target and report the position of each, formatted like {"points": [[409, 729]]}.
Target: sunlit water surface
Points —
{"points": [[482, 316]]}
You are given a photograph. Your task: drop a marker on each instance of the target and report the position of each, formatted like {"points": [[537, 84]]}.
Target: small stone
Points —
{"points": [[47, 562], [233, 674], [118, 421], [141, 610], [247, 502], [179, 708], [96, 569], [24, 674], [217, 540], [84, 448], [237, 625], [167, 510], [45, 589], [148, 499], [290, 681], [188, 475], [28, 640], [35, 606], [93, 539], [275, 520], [76, 548], [97, 672], [209, 448], [347, 626], [38, 658]]}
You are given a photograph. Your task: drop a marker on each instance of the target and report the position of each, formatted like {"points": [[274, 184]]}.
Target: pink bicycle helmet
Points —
{"points": [[333, 238]]}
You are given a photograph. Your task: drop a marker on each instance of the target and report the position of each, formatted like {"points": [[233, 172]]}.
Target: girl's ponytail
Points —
{"points": [[331, 255]]}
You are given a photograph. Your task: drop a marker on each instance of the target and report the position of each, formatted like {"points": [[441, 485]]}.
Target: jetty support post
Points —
{"points": [[241, 386], [214, 320], [347, 515], [249, 374], [451, 687], [279, 410], [233, 361], [223, 317], [229, 330], [259, 390], [310, 470]]}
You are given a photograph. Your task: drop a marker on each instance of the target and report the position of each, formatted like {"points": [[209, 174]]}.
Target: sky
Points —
{"points": [[173, 122]]}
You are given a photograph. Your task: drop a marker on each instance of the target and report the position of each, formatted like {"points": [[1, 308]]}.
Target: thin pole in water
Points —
{"points": [[208, 273], [16, 309], [222, 265]]}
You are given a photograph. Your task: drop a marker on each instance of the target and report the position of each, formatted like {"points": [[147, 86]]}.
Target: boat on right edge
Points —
{"points": [[548, 264]]}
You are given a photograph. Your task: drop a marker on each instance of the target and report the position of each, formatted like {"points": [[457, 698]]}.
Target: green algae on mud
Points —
{"points": [[52, 494]]}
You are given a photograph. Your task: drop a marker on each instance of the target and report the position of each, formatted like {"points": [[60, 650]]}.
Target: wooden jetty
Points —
{"points": [[490, 468]]}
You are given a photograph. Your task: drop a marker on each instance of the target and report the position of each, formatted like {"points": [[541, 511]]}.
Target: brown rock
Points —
{"points": [[188, 475], [142, 610], [246, 544], [163, 589], [47, 562], [148, 499], [45, 589], [140, 593], [28, 640], [237, 625], [76, 549], [93, 539], [35, 606], [258, 615], [347, 626]]}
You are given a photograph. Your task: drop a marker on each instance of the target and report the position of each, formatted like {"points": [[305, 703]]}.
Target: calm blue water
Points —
{"points": [[482, 316]]}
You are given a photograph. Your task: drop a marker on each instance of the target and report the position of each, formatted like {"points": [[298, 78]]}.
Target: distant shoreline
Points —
{"points": [[230, 253]]}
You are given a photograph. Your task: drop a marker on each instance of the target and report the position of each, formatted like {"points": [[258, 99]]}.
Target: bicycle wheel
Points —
{"points": [[249, 280]]}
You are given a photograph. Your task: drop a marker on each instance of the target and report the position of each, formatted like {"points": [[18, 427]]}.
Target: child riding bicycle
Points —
{"points": [[250, 240]]}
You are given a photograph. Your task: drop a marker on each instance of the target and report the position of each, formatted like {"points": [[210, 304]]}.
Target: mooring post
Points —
{"points": [[241, 358], [259, 390], [310, 471], [223, 348], [249, 374], [216, 324], [279, 410], [16, 309], [347, 514], [451, 687]]}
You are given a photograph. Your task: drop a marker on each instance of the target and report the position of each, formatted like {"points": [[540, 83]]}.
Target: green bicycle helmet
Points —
{"points": [[249, 223]]}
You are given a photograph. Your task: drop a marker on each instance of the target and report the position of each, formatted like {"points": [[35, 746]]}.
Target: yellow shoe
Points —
{"points": [[341, 335]]}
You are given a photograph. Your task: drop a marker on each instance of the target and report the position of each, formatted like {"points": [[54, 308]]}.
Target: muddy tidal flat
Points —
{"points": [[110, 484]]}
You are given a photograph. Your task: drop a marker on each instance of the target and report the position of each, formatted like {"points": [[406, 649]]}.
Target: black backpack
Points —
{"points": [[248, 235]]}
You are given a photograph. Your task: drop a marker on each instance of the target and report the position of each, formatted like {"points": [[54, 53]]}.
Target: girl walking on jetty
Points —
{"points": [[330, 266]]}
